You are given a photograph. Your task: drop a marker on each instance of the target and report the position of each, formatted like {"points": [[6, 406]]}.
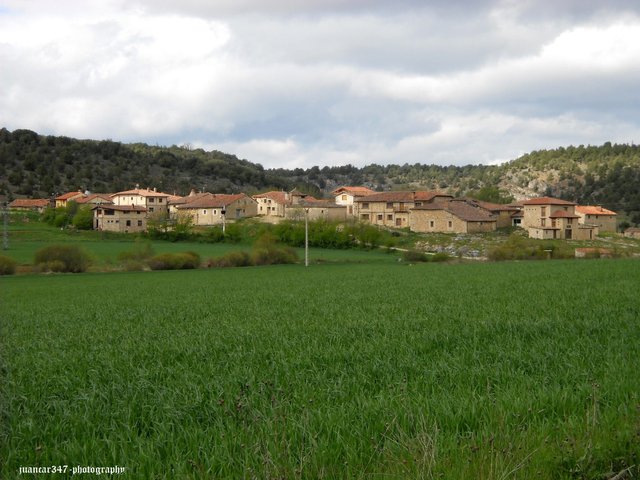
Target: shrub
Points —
{"points": [[231, 259], [414, 256], [175, 261], [7, 265], [440, 257], [63, 258], [267, 252], [273, 256], [141, 252]]}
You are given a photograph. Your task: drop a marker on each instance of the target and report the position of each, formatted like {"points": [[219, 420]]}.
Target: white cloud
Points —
{"points": [[324, 83]]}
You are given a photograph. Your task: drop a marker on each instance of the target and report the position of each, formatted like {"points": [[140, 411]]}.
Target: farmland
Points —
{"points": [[378, 370]]}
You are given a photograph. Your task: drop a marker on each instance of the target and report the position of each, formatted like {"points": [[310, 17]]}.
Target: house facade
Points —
{"points": [[317, 210], [502, 213], [391, 209], [605, 220], [62, 200], [214, 209], [29, 204], [346, 196], [454, 216], [155, 202], [550, 218], [120, 218]]}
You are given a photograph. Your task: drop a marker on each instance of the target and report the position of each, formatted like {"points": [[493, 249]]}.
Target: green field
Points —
{"points": [[487, 371]]}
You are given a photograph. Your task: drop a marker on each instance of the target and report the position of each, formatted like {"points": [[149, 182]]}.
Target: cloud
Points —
{"points": [[289, 83]]}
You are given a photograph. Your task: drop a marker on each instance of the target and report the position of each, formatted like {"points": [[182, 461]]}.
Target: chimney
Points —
{"points": [[154, 189]]}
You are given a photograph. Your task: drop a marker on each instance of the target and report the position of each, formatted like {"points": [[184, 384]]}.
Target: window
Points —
{"points": [[432, 224], [570, 221], [151, 209], [128, 223], [364, 216], [450, 224], [543, 211], [390, 217], [344, 197], [152, 200], [553, 223], [418, 204], [159, 200], [389, 204], [379, 217], [543, 222], [204, 212], [139, 223], [109, 212], [365, 205], [260, 207]]}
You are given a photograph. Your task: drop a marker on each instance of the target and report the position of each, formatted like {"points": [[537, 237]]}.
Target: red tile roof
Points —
{"points": [[142, 192], [593, 210], [355, 191], [95, 198], [212, 201], [547, 201], [405, 197], [29, 203], [461, 209], [276, 195], [492, 207], [70, 195]]}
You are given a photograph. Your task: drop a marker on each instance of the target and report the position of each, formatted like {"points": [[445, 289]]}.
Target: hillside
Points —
{"points": [[37, 165]]}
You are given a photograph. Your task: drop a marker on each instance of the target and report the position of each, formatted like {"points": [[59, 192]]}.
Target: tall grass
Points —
{"points": [[525, 370]]}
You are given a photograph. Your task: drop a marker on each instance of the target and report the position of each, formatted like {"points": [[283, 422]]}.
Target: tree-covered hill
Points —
{"points": [[33, 165], [39, 166]]}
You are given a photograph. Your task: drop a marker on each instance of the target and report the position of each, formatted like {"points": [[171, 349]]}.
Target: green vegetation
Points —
{"points": [[62, 258], [175, 261], [497, 370], [7, 265]]}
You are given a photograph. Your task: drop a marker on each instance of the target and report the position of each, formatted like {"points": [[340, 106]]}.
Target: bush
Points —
{"points": [[231, 259], [273, 256], [7, 265], [141, 252], [440, 257], [414, 256], [63, 258], [175, 261]]}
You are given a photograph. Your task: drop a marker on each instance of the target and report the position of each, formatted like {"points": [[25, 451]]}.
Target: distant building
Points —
{"points": [[214, 209], [453, 216], [152, 200], [548, 218], [391, 209], [120, 218], [346, 196], [62, 200], [602, 218], [29, 204]]}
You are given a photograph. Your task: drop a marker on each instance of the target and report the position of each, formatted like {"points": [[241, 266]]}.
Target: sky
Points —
{"points": [[295, 83]]}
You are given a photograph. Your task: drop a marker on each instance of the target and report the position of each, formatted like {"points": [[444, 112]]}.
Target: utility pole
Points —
{"points": [[306, 237], [5, 233]]}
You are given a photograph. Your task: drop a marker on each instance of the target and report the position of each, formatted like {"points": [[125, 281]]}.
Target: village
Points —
{"points": [[419, 211]]}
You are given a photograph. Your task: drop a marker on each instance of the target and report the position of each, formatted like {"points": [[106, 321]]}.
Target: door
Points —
{"points": [[567, 234]]}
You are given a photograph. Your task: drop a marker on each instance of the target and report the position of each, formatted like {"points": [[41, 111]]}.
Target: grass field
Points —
{"points": [[26, 239], [484, 371]]}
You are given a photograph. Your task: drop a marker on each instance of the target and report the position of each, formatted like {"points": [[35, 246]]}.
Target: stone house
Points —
{"points": [[215, 209], [454, 216], [503, 213], [317, 210], [29, 204], [391, 209], [346, 196], [62, 200], [120, 218], [548, 218], [602, 218], [632, 232], [155, 202]]}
